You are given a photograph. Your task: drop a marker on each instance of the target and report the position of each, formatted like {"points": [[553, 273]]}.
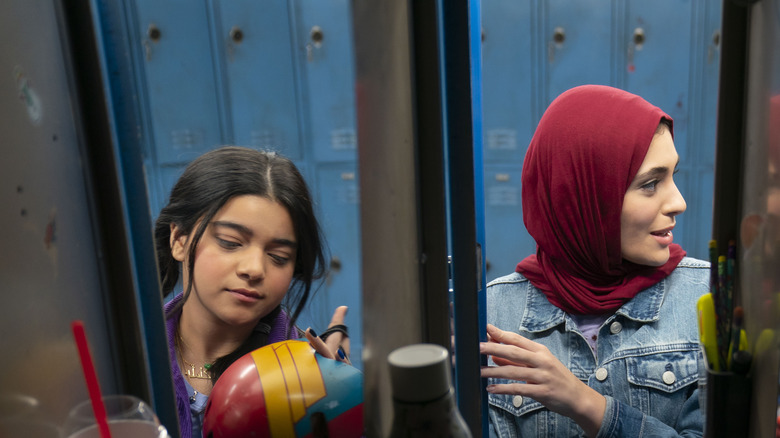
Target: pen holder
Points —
{"points": [[728, 404]]}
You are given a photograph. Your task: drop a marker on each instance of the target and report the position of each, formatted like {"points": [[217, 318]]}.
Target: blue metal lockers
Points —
{"points": [[261, 102], [279, 74], [325, 56], [172, 44], [338, 196]]}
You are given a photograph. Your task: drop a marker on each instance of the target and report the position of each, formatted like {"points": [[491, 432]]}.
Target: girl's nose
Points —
{"points": [[251, 265], [676, 203]]}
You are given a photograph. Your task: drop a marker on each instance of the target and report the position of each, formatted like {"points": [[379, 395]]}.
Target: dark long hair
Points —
{"points": [[205, 186]]}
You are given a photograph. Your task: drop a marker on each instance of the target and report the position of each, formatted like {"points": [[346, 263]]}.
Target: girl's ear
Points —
{"points": [[178, 244]]}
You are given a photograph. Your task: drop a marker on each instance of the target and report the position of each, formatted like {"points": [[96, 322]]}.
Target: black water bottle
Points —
{"points": [[423, 398]]}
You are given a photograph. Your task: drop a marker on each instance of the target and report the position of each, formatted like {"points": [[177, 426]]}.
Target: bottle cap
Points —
{"points": [[419, 372]]}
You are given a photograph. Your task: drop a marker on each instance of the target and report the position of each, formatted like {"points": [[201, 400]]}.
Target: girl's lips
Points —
{"points": [[664, 237], [245, 295]]}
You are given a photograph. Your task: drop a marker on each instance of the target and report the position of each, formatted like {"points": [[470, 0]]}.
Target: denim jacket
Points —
{"points": [[647, 366]]}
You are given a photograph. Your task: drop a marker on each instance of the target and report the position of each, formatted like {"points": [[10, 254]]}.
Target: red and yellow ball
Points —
{"points": [[286, 390]]}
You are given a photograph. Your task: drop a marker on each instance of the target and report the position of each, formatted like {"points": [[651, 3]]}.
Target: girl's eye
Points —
{"points": [[279, 260], [227, 244], [649, 186]]}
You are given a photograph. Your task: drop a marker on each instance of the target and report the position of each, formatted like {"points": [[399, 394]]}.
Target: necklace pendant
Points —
{"points": [[200, 374]]}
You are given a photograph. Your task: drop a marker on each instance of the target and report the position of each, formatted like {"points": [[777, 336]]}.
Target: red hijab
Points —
{"points": [[584, 154]]}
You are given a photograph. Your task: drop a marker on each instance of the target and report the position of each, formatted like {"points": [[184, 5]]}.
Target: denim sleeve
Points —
{"points": [[622, 420]]}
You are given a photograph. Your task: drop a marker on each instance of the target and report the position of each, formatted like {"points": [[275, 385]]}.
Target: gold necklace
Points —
{"points": [[203, 372]]}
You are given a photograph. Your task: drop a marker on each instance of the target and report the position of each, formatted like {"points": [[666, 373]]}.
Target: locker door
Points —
{"points": [[172, 38], [709, 68], [506, 238], [658, 61], [254, 42], [576, 45], [337, 208], [509, 122], [325, 52], [506, 80], [660, 51], [657, 67]]}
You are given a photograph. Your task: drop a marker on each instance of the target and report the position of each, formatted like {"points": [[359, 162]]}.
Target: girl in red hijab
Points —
{"points": [[596, 334]]}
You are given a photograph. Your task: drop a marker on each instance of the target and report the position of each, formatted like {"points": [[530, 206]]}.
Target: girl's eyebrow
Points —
{"points": [[234, 226], [246, 231], [655, 172]]}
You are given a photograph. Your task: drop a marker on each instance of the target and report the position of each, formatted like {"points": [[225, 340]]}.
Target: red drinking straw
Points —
{"points": [[91, 377]]}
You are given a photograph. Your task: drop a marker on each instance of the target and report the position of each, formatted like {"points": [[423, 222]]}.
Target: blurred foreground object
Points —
{"points": [[423, 397]]}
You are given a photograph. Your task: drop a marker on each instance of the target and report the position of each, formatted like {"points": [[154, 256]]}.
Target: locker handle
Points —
{"points": [[639, 37], [638, 40], [317, 35], [236, 34], [335, 264], [153, 32], [153, 35], [559, 35]]}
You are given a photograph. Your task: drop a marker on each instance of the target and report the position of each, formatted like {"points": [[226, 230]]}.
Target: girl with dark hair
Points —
{"points": [[596, 334], [241, 229]]}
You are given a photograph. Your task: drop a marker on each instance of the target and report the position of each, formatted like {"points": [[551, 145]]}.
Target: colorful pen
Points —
{"points": [[737, 334]]}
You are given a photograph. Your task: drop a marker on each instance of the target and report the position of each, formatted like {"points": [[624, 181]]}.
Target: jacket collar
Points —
{"points": [[540, 315]]}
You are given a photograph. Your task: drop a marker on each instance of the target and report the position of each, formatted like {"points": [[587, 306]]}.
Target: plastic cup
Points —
{"points": [[127, 416], [123, 429]]}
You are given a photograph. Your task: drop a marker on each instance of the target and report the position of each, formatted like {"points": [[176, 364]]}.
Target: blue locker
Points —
{"points": [[702, 144], [507, 74], [658, 61], [509, 119], [325, 53], [674, 70], [658, 67], [167, 177], [254, 47], [707, 76], [507, 240], [338, 195], [575, 46], [686, 225], [172, 40], [699, 232]]}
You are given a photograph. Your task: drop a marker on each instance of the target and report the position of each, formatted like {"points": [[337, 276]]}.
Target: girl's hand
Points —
{"points": [[545, 378], [334, 342]]}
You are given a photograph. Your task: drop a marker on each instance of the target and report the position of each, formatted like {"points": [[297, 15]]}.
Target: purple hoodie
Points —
{"points": [[279, 332]]}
